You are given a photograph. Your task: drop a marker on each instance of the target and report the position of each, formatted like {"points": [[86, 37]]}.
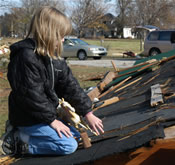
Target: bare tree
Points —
{"points": [[21, 16], [123, 10], [88, 14], [152, 12]]}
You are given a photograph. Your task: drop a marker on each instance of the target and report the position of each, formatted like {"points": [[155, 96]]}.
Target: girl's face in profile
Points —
{"points": [[62, 40]]}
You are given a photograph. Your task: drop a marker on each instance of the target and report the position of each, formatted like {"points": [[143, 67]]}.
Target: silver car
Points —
{"points": [[74, 47]]}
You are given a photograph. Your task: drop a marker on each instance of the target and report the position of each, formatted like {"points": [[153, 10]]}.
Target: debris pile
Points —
{"points": [[136, 105]]}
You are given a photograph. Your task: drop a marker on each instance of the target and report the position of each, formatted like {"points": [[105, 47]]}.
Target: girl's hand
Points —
{"points": [[61, 128], [94, 122]]}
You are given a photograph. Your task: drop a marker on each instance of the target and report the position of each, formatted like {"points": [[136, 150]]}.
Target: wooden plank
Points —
{"points": [[137, 70], [146, 152], [100, 87], [156, 95], [128, 84], [114, 87], [140, 64], [169, 132], [6, 160], [114, 66], [94, 93], [107, 79], [107, 102]]}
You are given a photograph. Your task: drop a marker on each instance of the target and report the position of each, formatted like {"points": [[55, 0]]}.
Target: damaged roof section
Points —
{"points": [[130, 120]]}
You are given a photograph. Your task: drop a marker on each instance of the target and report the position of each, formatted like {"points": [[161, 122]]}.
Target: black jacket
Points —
{"points": [[37, 82]]}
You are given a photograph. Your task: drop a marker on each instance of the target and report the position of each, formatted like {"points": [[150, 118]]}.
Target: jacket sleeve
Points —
{"points": [[31, 89], [67, 87]]}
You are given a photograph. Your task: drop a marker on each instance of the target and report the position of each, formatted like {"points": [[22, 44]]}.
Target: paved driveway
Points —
{"points": [[103, 63]]}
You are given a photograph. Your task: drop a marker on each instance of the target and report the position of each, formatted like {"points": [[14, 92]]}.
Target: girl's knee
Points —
{"points": [[68, 147]]}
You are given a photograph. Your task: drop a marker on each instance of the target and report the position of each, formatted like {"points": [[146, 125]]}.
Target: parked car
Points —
{"points": [[74, 47], [159, 41]]}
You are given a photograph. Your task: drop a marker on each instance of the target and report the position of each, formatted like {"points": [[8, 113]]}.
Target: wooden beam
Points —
{"points": [[141, 64], [107, 102], [114, 87], [100, 87], [128, 84], [114, 66]]}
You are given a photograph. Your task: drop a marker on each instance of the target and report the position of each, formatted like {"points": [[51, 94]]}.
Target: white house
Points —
{"points": [[127, 33]]}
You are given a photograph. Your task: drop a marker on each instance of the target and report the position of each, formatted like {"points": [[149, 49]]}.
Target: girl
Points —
{"points": [[38, 77]]}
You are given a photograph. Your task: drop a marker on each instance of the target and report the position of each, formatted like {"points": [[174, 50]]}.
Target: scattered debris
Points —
{"points": [[4, 49], [156, 95], [129, 53]]}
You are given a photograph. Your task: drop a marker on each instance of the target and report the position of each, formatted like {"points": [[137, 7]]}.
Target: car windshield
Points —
{"points": [[78, 41]]}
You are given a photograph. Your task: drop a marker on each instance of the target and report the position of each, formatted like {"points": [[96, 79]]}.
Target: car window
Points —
{"points": [[66, 42], [78, 41], [165, 36], [153, 36], [173, 37]]}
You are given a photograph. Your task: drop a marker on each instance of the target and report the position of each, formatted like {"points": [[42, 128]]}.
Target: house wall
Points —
{"points": [[127, 33]]}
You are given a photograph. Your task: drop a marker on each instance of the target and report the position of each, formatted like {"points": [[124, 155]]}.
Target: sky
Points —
{"points": [[111, 4]]}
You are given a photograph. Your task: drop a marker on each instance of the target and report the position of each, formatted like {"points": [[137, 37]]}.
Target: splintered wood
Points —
{"points": [[107, 102], [100, 87], [156, 95]]}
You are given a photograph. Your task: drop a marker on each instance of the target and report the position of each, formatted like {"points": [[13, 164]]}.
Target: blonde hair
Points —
{"points": [[48, 27]]}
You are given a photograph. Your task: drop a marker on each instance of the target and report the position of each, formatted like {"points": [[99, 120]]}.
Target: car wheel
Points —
{"points": [[82, 55], [154, 52], [96, 58]]}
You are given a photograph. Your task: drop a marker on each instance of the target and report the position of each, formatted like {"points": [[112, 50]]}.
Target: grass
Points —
{"points": [[84, 72], [116, 47], [4, 92]]}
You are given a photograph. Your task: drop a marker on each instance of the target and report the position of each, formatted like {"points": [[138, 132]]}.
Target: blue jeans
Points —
{"points": [[42, 139]]}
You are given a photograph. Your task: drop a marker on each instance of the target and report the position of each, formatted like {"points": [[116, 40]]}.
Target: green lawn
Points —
{"points": [[4, 92], [117, 46]]}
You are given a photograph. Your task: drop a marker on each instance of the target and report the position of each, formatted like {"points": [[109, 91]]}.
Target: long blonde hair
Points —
{"points": [[48, 27]]}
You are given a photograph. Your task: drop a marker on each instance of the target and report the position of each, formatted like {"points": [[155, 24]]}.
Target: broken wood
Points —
{"points": [[137, 70], [147, 66], [100, 87], [85, 139], [128, 84], [165, 59], [94, 93], [147, 152], [114, 66], [149, 80], [107, 79], [169, 132], [141, 64], [115, 87], [156, 95], [107, 102], [6, 160]]}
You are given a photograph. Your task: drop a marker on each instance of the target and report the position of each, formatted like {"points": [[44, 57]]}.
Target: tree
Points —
{"points": [[159, 13], [21, 16], [123, 8], [152, 12], [88, 14]]}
